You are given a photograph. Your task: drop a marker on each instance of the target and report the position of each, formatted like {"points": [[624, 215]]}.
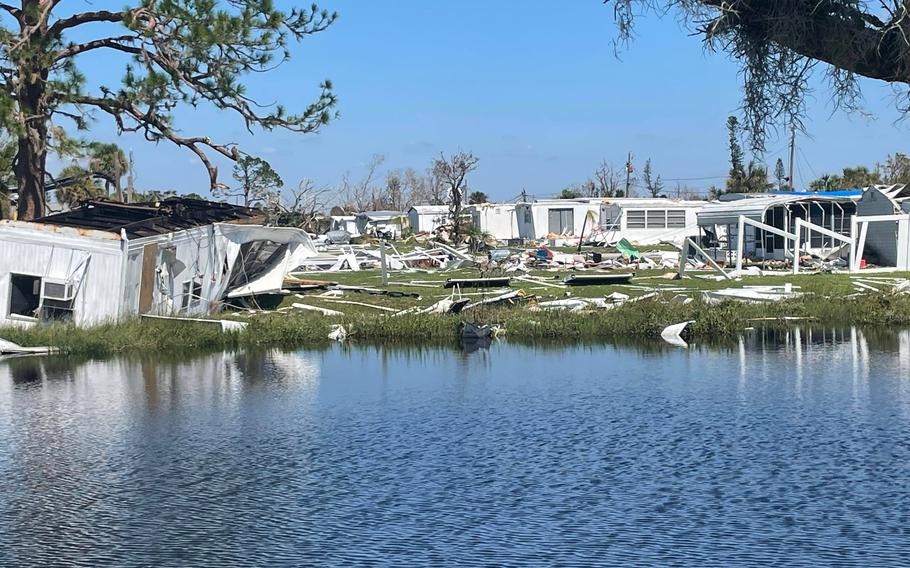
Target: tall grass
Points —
{"points": [[641, 319]]}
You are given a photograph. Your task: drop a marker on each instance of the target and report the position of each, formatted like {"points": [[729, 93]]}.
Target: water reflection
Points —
{"points": [[783, 447]]}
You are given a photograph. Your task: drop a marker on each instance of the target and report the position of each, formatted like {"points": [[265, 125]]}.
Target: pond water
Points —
{"points": [[788, 448]]}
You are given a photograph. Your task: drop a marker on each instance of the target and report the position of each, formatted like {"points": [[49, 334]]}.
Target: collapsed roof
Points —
{"points": [[153, 217], [728, 212]]}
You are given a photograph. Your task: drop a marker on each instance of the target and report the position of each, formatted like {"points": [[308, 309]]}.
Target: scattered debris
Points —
{"points": [[598, 279], [230, 326], [377, 292], [540, 281], [627, 250], [473, 331], [323, 311], [10, 348], [338, 333], [672, 334], [227, 326], [374, 306], [445, 306], [751, 294], [477, 282], [576, 304], [511, 297]]}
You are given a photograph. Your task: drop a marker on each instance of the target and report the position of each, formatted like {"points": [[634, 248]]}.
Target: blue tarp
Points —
{"points": [[839, 193]]}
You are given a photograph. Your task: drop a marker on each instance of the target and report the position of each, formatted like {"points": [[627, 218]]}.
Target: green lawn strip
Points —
{"points": [[824, 300]]}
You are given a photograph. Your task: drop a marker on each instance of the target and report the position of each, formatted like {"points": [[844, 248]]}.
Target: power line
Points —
{"points": [[695, 178], [802, 178], [808, 163]]}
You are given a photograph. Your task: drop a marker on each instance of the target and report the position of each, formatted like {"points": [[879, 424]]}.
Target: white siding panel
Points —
{"points": [[50, 255]]}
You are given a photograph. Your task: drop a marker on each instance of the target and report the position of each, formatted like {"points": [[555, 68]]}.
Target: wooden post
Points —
{"points": [[796, 246], [854, 236], [740, 244], [582, 237], [861, 244], [385, 267]]}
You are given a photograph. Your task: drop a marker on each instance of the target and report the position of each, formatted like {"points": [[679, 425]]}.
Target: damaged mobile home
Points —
{"points": [[859, 227], [543, 218], [107, 261], [770, 218], [498, 220], [427, 218], [381, 223], [647, 221]]}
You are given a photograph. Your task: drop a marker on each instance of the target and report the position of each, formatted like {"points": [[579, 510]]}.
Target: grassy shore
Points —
{"points": [[823, 303]]}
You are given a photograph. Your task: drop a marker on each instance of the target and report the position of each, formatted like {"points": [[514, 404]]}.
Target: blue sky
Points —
{"points": [[534, 89]]}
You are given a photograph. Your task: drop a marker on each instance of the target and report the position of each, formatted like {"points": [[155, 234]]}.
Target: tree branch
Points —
{"points": [[85, 18], [12, 10], [110, 42], [840, 35], [154, 128]]}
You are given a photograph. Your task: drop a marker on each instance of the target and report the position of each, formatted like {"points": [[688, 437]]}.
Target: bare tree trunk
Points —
{"points": [[29, 169], [456, 212], [31, 156]]}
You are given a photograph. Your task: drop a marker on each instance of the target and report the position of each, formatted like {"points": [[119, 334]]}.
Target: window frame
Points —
{"points": [[191, 296], [636, 212], [9, 302], [678, 214], [656, 219]]}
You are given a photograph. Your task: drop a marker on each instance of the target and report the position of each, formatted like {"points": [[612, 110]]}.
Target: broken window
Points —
{"points": [[255, 259], [25, 295], [613, 219], [192, 293]]}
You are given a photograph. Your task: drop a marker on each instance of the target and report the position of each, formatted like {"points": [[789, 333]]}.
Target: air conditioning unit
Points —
{"points": [[57, 290]]}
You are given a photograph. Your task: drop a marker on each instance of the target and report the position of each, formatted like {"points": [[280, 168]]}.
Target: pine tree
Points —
{"points": [[780, 175], [737, 172], [175, 52]]}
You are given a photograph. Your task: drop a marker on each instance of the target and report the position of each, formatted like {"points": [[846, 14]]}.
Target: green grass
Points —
{"points": [[824, 301], [644, 319]]}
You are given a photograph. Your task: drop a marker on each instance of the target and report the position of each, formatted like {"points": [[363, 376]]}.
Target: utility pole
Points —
{"points": [[792, 153], [629, 169], [129, 180]]}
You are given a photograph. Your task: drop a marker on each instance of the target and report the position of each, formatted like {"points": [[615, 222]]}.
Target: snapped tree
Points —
{"points": [[604, 182], [652, 184], [453, 172], [177, 52]]}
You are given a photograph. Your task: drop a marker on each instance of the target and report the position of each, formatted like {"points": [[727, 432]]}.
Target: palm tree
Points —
{"points": [[478, 197], [83, 186], [109, 161]]}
